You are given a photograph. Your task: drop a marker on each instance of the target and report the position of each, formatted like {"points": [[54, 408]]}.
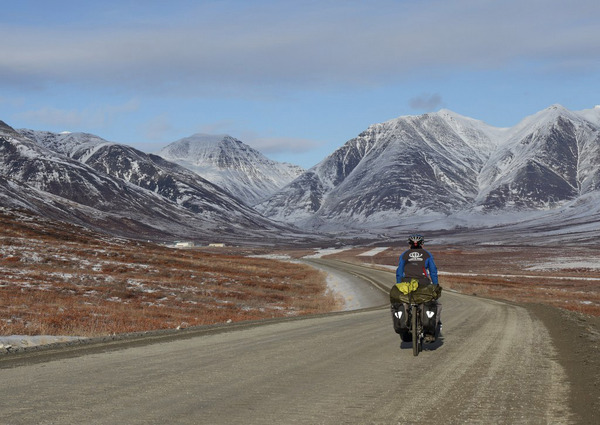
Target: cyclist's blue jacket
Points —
{"points": [[417, 263]]}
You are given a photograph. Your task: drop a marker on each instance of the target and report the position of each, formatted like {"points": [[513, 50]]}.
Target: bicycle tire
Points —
{"points": [[415, 329]]}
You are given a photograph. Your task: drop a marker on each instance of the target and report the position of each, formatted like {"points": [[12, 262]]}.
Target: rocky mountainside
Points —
{"points": [[86, 180], [429, 168], [439, 172], [148, 171], [548, 158], [231, 165]]}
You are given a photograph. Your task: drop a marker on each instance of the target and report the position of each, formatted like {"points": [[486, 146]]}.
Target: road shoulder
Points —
{"points": [[577, 341]]}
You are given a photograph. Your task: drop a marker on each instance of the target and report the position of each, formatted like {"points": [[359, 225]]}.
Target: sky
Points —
{"points": [[293, 79]]}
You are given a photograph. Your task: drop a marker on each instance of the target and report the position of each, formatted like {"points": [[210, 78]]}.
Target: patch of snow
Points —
{"points": [[326, 251], [586, 264], [346, 289], [520, 276], [373, 251], [22, 341], [281, 257]]}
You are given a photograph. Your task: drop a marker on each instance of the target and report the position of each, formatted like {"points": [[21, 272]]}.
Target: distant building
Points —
{"points": [[184, 244], [217, 245]]}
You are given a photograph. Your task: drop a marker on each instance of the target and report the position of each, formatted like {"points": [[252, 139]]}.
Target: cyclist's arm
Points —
{"points": [[400, 270], [433, 273]]}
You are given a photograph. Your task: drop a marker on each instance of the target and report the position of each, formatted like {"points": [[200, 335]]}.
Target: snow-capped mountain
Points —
{"points": [[439, 172], [434, 166], [548, 158], [87, 180], [148, 171], [410, 165], [65, 143], [231, 165]]}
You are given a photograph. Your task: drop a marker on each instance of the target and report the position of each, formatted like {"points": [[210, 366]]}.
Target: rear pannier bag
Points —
{"points": [[413, 292]]}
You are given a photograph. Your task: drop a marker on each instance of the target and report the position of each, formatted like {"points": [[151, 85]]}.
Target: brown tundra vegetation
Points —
{"points": [[59, 279], [564, 277]]}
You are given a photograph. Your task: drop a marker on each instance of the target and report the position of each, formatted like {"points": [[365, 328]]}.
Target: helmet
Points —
{"points": [[416, 240]]}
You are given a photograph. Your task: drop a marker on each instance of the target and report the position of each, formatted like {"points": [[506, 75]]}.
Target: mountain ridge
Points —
{"points": [[84, 179], [442, 165], [439, 172], [231, 164]]}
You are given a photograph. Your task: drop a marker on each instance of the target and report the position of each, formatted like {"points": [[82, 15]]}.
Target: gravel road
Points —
{"points": [[494, 364]]}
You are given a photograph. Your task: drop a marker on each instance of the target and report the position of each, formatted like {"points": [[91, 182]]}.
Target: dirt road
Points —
{"points": [[494, 364]]}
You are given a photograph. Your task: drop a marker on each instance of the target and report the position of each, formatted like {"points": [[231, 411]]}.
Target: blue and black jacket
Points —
{"points": [[417, 263]]}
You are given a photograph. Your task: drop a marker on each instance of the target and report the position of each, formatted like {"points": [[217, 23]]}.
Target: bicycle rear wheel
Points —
{"points": [[415, 330]]}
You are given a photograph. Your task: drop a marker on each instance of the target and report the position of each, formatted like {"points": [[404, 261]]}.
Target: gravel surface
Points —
{"points": [[496, 363], [577, 341]]}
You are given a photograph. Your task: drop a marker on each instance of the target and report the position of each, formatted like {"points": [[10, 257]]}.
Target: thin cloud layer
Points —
{"points": [[227, 47], [292, 79], [69, 119], [278, 145]]}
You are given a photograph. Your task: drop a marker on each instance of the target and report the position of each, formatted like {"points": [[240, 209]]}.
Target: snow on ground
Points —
{"points": [[561, 264], [521, 276], [344, 285], [373, 252], [539, 267], [326, 251], [347, 290], [280, 257], [21, 341]]}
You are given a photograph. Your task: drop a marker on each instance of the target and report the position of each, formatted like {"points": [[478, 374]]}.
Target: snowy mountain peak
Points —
{"points": [[591, 115], [73, 145], [84, 179], [442, 163], [544, 116], [231, 164], [7, 130], [201, 140], [203, 149]]}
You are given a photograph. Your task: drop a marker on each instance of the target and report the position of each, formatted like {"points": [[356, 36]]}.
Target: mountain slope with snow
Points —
{"points": [[444, 168], [147, 171], [231, 165], [438, 172], [119, 189], [548, 158], [411, 165]]}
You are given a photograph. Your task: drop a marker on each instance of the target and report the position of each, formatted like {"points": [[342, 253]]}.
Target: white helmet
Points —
{"points": [[416, 240]]}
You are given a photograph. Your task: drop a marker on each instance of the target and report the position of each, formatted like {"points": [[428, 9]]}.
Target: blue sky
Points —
{"points": [[293, 79]]}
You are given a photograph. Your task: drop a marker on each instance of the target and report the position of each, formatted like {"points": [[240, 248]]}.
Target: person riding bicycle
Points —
{"points": [[415, 263]]}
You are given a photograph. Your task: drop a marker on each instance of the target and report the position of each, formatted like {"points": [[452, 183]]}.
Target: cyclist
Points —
{"points": [[415, 263]]}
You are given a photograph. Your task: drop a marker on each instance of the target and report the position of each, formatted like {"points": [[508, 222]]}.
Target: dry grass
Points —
{"points": [[57, 279], [565, 277]]}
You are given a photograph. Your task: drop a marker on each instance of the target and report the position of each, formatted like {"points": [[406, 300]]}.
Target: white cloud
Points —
{"points": [[279, 145], [265, 144], [234, 47], [73, 119]]}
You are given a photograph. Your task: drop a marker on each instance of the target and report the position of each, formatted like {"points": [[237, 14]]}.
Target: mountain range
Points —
{"points": [[439, 172], [86, 180], [442, 170]]}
